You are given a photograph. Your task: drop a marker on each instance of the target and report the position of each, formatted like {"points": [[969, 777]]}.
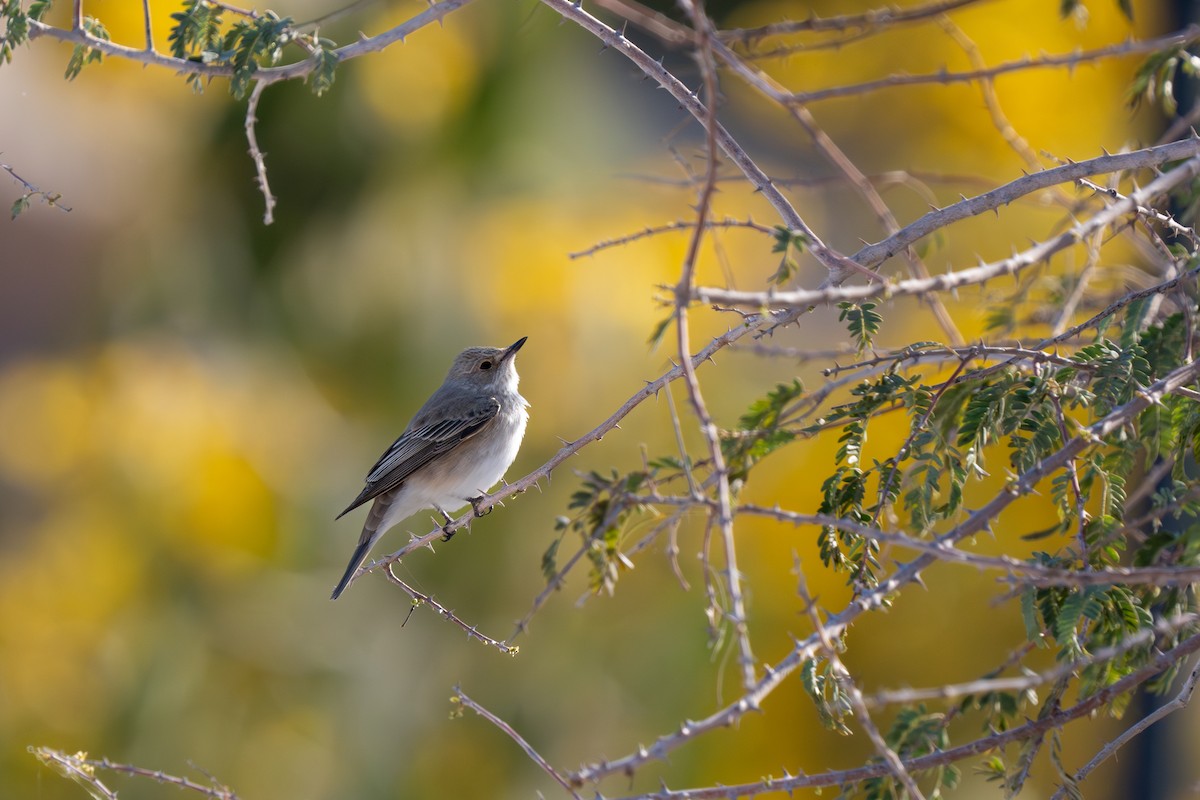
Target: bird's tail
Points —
{"points": [[373, 528], [356, 560]]}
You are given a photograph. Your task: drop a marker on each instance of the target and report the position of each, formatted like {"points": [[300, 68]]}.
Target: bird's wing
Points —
{"points": [[425, 440]]}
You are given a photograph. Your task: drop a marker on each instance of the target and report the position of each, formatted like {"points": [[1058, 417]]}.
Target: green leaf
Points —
{"points": [[785, 242], [784, 272], [325, 62], [197, 30], [863, 322], [20, 205], [83, 55], [659, 330], [550, 560], [1033, 631], [16, 27], [1000, 318]]}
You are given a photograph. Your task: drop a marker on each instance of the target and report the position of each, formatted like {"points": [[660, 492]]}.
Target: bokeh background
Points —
{"points": [[188, 397]]}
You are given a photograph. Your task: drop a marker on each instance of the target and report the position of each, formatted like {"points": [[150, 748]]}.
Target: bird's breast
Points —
{"points": [[476, 465]]}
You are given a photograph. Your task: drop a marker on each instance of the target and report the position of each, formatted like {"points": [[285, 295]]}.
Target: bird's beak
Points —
{"points": [[514, 347]]}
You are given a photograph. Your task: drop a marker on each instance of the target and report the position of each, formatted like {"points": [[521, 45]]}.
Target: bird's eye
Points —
{"points": [[485, 365]]}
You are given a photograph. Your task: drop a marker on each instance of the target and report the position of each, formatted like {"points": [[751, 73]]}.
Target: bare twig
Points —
{"points": [[462, 700], [873, 598], [830, 259], [420, 598], [724, 519], [294, 71], [83, 770], [807, 298], [670, 227], [149, 27], [52, 198], [944, 77], [886, 18], [1023, 683], [861, 712], [333, 16], [835, 156], [552, 585], [1150, 157], [1181, 700], [256, 154], [992, 741], [1166, 220]]}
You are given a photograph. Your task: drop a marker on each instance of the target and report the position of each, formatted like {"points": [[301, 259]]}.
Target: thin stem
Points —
{"points": [[861, 713], [993, 741], [83, 770], [1181, 700], [1023, 683], [712, 436], [653, 69], [907, 573], [420, 598], [463, 700], [256, 154], [1182, 38], [149, 26], [949, 281]]}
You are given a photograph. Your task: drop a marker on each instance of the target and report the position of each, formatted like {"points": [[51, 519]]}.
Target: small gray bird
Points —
{"points": [[458, 446]]}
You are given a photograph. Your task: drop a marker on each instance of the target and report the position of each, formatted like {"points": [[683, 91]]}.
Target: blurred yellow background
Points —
{"points": [[189, 397]]}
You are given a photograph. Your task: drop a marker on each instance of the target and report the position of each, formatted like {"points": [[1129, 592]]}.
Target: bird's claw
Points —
{"points": [[446, 532], [475, 501]]}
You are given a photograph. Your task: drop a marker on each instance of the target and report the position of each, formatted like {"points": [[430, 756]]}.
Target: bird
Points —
{"points": [[458, 445]]}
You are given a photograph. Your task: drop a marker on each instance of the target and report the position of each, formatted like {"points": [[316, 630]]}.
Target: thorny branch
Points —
{"points": [[1181, 700], [890, 757], [771, 309], [907, 573], [263, 77], [1030, 730], [1182, 38], [269, 75], [736, 613], [464, 701], [690, 102], [804, 299], [83, 770]]}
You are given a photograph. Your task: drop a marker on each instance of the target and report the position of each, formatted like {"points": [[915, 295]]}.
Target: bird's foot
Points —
{"points": [[475, 501], [446, 532]]}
